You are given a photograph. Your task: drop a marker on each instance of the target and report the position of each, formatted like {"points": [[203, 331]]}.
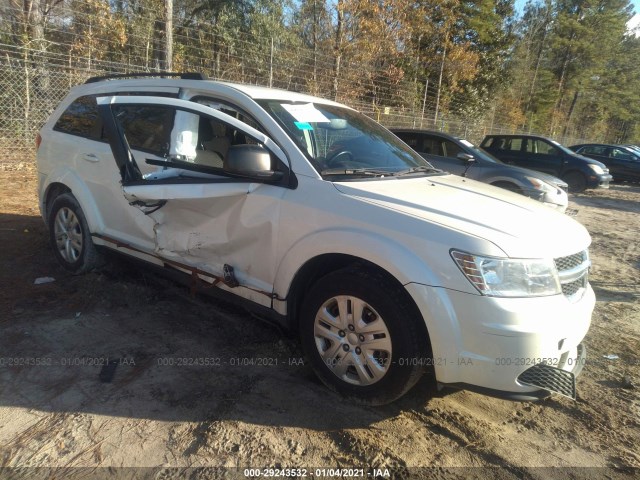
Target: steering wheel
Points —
{"points": [[342, 157]]}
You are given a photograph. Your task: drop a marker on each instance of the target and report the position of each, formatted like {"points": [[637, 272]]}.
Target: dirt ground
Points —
{"points": [[60, 408]]}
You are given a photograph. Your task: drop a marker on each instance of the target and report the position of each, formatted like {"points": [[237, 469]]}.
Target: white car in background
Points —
{"points": [[308, 212]]}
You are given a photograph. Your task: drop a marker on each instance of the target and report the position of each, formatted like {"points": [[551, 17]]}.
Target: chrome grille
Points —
{"points": [[573, 271], [570, 289], [571, 261]]}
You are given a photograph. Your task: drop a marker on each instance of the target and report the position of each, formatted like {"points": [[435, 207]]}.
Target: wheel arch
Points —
{"points": [[324, 264], [575, 170], [52, 191], [67, 181]]}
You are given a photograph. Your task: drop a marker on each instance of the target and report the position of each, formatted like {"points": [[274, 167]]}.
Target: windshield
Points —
{"points": [[478, 152], [341, 141], [563, 148]]}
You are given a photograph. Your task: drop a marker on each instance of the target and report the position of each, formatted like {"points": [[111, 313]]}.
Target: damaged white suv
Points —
{"points": [[318, 217]]}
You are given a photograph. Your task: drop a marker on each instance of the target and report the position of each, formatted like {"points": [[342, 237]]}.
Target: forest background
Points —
{"points": [[566, 69]]}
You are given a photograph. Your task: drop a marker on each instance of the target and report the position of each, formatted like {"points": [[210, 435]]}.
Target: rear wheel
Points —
{"points": [[70, 237], [577, 181], [362, 337]]}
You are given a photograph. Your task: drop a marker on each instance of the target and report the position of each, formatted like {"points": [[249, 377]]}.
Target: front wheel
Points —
{"points": [[362, 337], [577, 182], [70, 237]]}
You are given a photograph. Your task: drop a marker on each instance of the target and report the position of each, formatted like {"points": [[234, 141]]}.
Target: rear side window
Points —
{"points": [[410, 139], [503, 143], [81, 118], [146, 128], [594, 150], [513, 144], [432, 146]]}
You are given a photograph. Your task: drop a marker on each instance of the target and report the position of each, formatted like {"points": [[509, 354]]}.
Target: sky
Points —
{"points": [[633, 23]]}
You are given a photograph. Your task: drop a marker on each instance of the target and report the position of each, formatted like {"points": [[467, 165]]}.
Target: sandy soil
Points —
{"points": [[157, 410]]}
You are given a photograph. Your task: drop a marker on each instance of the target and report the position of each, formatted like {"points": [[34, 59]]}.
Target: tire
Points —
{"points": [[70, 237], [387, 318], [577, 181]]}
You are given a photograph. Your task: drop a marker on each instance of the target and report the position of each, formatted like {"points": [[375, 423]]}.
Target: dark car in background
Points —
{"points": [[633, 147], [461, 157], [546, 155], [623, 162]]}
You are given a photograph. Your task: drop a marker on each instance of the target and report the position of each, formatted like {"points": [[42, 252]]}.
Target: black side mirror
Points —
{"points": [[466, 157], [251, 161]]}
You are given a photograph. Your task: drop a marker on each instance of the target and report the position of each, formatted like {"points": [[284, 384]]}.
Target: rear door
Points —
{"points": [[203, 219]]}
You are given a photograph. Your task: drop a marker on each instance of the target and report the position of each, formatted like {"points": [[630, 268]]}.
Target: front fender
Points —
{"points": [[401, 263]]}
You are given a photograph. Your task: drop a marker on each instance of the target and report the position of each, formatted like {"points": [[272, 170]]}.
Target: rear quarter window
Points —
{"points": [[81, 118]]}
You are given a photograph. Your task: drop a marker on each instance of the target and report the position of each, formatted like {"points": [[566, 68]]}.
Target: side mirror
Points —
{"points": [[466, 157], [251, 161]]}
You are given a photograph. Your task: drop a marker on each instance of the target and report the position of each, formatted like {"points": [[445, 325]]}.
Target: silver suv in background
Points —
{"points": [[461, 157]]}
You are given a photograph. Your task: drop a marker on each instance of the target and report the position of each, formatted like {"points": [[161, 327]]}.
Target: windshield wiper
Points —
{"points": [[422, 168], [374, 172]]}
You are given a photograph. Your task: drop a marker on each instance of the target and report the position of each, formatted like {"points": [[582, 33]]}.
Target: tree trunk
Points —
{"points": [[338, 47], [168, 35], [435, 117]]}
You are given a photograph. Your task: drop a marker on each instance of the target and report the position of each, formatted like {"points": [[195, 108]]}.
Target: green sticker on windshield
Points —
{"points": [[303, 125]]}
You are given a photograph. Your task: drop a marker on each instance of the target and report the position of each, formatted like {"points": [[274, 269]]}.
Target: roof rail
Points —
{"points": [[184, 76]]}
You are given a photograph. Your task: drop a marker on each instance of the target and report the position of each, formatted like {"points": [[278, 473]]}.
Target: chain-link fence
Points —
{"points": [[32, 83]]}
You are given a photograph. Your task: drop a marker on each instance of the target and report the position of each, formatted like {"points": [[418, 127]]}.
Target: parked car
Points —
{"points": [[545, 155], [315, 216], [623, 162], [634, 147], [461, 157]]}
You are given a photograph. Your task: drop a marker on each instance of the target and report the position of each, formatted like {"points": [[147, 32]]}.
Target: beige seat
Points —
{"points": [[212, 144], [219, 142], [208, 158]]}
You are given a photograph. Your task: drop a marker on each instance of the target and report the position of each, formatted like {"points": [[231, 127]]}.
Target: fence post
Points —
{"points": [[424, 100], [271, 66]]}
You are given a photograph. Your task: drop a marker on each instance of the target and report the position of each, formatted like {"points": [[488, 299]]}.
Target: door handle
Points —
{"points": [[90, 157]]}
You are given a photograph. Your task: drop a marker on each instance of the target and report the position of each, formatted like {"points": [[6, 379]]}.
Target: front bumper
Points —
{"points": [[488, 343], [599, 181]]}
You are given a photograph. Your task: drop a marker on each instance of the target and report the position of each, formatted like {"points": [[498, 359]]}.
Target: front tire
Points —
{"points": [[577, 182], [70, 237], [362, 336]]}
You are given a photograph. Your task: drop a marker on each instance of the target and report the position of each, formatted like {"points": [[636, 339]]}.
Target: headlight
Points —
{"points": [[540, 185], [505, 277], [596, 168]]}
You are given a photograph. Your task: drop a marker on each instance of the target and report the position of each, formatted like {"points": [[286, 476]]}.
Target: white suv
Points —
{"points": [[315, 215]]}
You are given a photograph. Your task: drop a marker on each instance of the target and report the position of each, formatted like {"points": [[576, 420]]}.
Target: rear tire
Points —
{"points": [[577, 182], [362, 337], [70, 237]]}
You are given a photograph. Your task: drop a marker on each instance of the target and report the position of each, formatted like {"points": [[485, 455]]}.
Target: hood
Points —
{"points": [[589, 160], [519, 226]]}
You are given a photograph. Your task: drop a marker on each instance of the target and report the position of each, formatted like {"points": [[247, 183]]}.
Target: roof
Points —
{"points": [[253, 91]]}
